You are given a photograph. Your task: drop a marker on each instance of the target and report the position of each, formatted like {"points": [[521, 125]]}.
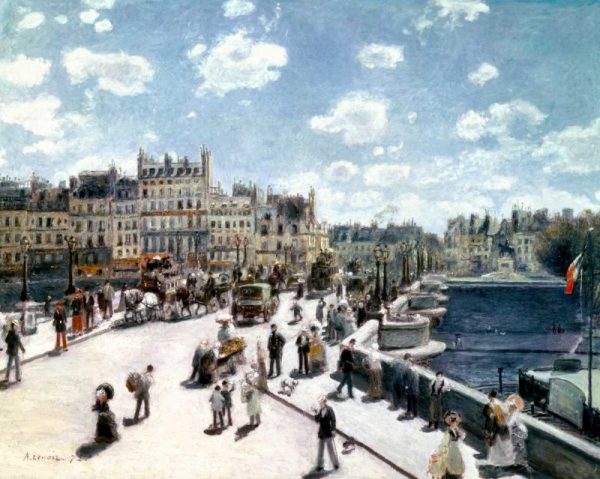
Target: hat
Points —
{"points": [[15, 322], [59, 303], [452, 417], [108, 390], [322, 398], [516, 400]]}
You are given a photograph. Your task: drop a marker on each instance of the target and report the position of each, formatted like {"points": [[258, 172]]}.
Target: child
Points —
{"points": [[217, 401], [227, 403]]}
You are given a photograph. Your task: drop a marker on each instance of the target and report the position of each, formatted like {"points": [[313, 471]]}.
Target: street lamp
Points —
{"points": [[245, 243], [237, 241], [25, 245], [385, 254], [378, 253], [71, 244]]}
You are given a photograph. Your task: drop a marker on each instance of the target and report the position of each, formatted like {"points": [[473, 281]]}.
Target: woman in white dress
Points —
{"points": [[518, 430], [500, 451], [251, 396], [373, 363]]}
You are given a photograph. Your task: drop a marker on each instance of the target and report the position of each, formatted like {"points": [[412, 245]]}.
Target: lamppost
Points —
{"points": [[237, 241], [404, 250], [25, 245], [71, 244], [385, 252], [245, 243], [378, 253]]}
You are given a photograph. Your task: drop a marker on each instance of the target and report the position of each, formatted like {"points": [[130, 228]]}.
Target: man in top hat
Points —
{"points": [[60, 326], [325, 416], [88, 304], [13, 344], [411, 384], [275, 346], [303, 344]]}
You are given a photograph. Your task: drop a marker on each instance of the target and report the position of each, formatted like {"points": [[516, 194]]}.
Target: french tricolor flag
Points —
{"points": [[573, 274]]}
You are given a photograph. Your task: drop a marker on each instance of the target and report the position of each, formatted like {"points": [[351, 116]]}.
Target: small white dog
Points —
{"points": [[287, 386]]}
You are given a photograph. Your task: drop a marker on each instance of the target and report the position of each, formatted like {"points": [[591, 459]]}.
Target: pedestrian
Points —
{"points": [[319, 313], [447, 461], [106, 425], [88, 305], [121, 306], [142, 392], [346, 365], [339, 291], [325, 416], [339, 320], [398, 383], [303, 344], [437, 389], [109, 295], [373, 365], [77, 311], [251, 397], [318, 354], [13, 344], [227, 401], [300, 289], [47, 303], [361, 314], [411, 385], [100, 301], [518, 431], [330, 322], [297, 310], [60, 326], [275, 346], [216, 404], [261, 362], [497, 433], [198, 354]]}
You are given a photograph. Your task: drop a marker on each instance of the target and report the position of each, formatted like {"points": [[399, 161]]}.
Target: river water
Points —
{"points": [[505, 326]]}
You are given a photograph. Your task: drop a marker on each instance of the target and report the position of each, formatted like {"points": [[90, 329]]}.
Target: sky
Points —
{"points": [[393, 110]]}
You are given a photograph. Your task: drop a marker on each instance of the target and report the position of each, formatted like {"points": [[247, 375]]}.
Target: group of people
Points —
{"points": [[106, 424], [221, 401], [83, 307]]}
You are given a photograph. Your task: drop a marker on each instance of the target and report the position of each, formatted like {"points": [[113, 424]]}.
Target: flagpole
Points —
{"points": [[591, 311]]}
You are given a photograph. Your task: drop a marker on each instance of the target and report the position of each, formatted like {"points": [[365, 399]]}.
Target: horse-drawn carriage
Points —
{"points": [[161, 276]]}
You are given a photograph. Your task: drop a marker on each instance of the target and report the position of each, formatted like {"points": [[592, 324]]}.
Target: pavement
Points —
{"points": [[47, 417]]}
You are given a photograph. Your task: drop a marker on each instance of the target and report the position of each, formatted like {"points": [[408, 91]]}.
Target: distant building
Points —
{"points": [[126, 246], [174, 197], [91, 196]]}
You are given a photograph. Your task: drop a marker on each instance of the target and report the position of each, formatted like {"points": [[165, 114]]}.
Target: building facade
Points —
{"points": [[174, 205]]}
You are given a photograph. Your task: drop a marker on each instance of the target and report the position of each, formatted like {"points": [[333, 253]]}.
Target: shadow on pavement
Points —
{"points": [[243, 431], [90, 449], [316, 474]]}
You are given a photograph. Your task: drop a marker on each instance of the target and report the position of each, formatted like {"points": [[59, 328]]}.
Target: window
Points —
{"points": [[7, 221], [135, 251], [17, 257], [198, 204], [90, 208], [120, 240], [7, 238], [226, 224], [40, 222], [134, 240], [59, 238], [48, 222], [48, 238], [180, 205], [280, 229], [264, 230], [213, 224], [153, 205], [189, 204], [90, 225], [241, 223], [278, 245], [294, 229], [127, 239], [17, 222], [100, 240], [119, 225], [119, 253]]}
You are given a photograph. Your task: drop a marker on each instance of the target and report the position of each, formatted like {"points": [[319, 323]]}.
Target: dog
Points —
{"points": [[287, 386]]}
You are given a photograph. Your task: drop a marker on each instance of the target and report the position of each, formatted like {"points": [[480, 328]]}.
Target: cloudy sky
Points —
{"points": [[420, 109]]}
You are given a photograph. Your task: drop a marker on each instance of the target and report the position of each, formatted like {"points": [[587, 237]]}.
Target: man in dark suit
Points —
{"points": [[411, 384], [275, 345], [326, 419], [303, 344], [346, 364], [89, 308]]}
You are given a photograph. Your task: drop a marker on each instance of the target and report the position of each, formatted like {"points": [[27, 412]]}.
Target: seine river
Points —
{"points": [[505, 326]]}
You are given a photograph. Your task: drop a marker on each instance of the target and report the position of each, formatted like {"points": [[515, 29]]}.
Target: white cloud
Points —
{"points": [[191, 114], [359, 117], [100, 4], [61, 19], [451, 13], [89, 16], [597, 194], [484, 73], [31, 20], [412, 117], [237, 8], [501, 120], [385, 174], [151, 137], [365, 199], [497, 183], [551, 198], [196, 51], [376, 55], [24, 71], [341, 171], [47, 147], [394, 150], [37, 116], [574, 150], [3, 160], [118, 73], [378, 151], [103, 26], [237, 61]]}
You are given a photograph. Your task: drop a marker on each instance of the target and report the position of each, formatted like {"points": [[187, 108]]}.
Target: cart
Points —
{"points": [[231, 354]]}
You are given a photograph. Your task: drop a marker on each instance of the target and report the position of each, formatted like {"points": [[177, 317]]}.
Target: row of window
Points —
{"points": [[42, 222], [172, 222], [169, 193], [101, 226], [171, 245], [230, 224], [89, 208], [49, 258], [126, 253], [125, 209], [129, 239], [170, 205], [264, 229], [37, 239], [170, 171], [127, 225]]}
